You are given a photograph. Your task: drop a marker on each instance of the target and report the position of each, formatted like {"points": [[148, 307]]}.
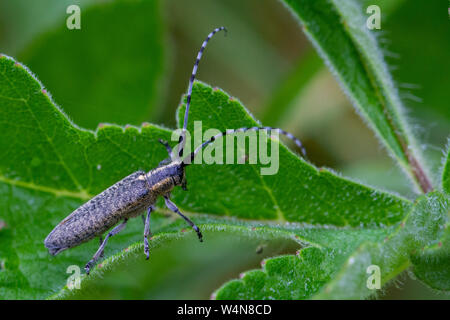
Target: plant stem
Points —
{"points": [[419, 174]]}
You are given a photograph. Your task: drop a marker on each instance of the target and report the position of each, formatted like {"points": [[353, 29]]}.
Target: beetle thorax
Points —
{"points": [[163, 179]]}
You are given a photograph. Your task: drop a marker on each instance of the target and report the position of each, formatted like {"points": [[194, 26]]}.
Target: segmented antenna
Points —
{"points": [[191, 83], [193, 154]]}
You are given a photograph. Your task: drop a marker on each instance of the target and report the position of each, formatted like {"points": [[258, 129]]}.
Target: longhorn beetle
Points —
{"points": [[139, 191]]}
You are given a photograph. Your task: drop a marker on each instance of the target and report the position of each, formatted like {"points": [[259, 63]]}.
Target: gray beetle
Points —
{"points": [[136, 193]]}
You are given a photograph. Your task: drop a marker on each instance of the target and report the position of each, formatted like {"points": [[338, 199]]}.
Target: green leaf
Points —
{"points": [[338, 30], [109, 65], [432, 265], [49, 166], [338, 270], [302, 275], [423, 227], [298, 192]]}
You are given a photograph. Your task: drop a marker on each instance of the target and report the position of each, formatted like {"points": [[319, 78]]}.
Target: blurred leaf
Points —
{"points": [[110, 70], [380, 174], [387, 6], [338, 30], [240, 61], [421, 62], [283, 97], [49, 167], [22, 20]]}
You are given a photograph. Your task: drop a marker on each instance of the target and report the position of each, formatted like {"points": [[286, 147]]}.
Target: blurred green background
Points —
{"points": [[131, 62]]}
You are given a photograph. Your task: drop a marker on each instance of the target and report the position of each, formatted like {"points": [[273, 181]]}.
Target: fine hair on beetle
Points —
{"points": [[138, 192]]}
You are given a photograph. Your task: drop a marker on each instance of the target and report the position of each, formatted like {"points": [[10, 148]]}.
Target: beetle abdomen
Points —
{"points": [[125, 199]]}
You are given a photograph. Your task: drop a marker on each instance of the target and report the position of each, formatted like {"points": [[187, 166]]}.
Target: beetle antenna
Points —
{"points": [[188, 159], [191, 83]]}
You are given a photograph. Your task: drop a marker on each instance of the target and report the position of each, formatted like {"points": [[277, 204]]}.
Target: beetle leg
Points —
{"points": [[147, 233], [100, 250], [164, 162], [168, 148], [175, 209], [101, 241]]}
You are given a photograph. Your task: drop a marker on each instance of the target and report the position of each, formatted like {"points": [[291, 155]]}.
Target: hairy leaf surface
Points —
{"points": [[49, 166]]}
